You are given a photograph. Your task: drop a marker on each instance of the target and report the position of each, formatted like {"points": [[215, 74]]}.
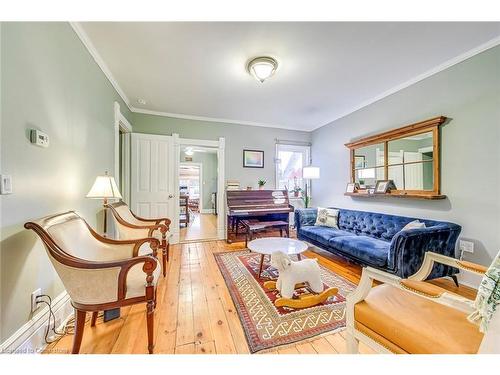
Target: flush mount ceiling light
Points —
{"points": [[262, 67]]}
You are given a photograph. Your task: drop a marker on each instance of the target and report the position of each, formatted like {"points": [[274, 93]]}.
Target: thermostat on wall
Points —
{"points": [[39, 138]]}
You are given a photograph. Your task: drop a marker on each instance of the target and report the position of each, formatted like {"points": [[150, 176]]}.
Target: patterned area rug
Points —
{"points": [[267, 326]]}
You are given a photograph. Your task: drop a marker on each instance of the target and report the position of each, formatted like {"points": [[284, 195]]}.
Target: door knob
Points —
{"points": [[170, 195]]}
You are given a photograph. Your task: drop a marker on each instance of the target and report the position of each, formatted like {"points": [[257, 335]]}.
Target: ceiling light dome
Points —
{"points": [[262, 67]]}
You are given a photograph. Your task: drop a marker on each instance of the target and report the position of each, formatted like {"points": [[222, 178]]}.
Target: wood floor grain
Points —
{"points": [[195, 313]]}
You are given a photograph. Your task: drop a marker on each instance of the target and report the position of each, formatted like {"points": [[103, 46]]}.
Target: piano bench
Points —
{"points": [[254, 226]]}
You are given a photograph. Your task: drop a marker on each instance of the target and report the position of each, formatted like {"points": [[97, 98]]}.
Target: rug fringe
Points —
{"points": [[305, 341]]}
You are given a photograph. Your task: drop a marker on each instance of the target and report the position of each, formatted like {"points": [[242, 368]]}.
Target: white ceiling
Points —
{"points": [[326, 70]]}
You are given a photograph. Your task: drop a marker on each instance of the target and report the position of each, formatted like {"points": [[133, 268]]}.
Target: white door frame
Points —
{"points": [[200, 179], [121, 123], [221, 193]]}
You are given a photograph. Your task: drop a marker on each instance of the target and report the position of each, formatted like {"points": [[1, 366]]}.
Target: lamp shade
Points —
{"points": [[104, 187], [310, 173]]}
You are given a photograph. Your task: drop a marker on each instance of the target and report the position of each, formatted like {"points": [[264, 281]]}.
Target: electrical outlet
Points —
{"points": [[466, 246], [35, 294]]}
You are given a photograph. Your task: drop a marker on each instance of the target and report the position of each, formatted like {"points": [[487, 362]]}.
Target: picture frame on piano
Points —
{"points": [[253, 159]]}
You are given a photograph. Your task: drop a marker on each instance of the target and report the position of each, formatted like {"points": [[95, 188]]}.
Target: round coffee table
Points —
{"points": [[268, 245]]}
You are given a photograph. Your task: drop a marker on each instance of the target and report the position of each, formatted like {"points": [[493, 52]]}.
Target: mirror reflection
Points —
{"points": [[410, 161]]}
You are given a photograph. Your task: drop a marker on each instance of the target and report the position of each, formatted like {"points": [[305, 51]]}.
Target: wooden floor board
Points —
{"points": [[195, 313]]}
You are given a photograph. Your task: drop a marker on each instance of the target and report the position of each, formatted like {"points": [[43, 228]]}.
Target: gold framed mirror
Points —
{"points": [[409, 156]]}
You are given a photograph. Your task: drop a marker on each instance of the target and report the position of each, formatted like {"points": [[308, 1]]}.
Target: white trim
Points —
{"points": [[98, 59], [198, 142], [121, 123], [30, 337], [209, 119], [221, 190], [447, 64], [306, 151]]}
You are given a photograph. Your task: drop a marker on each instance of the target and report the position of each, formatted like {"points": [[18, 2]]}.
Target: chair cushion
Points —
{"points": [[416, 324], [322, 234], [136, 280], [368, 249]]}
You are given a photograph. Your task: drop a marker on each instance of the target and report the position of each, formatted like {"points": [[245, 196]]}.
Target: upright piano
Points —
{"points": [[262, 205]]}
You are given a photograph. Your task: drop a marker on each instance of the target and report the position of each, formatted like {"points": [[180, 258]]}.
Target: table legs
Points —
{"points": [[261, 264]]}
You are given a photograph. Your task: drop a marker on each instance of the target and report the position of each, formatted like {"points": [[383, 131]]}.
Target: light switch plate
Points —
{"points": [[5, 184], [467, 246]]}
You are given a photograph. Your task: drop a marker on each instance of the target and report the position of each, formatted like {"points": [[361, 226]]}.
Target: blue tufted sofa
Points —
{"points": [[374, 239]]}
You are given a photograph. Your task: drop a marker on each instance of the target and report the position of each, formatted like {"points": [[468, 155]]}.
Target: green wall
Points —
{"points": [[469, 94], [50, 82], [238, 137]]}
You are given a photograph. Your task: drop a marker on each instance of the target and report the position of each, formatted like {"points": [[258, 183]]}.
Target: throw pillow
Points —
{"points": [[413, 225], [327, 217]]}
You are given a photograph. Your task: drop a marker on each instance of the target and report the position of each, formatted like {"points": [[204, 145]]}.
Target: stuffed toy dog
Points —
{"points": [[291, 273]]}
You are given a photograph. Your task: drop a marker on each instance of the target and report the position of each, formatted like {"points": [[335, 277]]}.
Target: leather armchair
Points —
{"points": [[99, 273], [415, 316], [131, 226]]}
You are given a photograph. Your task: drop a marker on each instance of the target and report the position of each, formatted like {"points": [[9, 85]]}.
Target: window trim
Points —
{"points": [[307, 151]]}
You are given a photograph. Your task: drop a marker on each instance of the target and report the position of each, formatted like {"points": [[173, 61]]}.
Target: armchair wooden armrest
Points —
{"points": [[162, 220], [150, 264], [132, 226], [430, 258], [154, 243], [99, 273]]}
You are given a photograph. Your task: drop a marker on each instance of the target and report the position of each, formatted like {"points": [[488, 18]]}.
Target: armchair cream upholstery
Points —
{"points": [[415, 316], [131, 226], [99, 273]]}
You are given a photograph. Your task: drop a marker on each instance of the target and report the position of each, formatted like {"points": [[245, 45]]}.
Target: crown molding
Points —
{"points": [[447, 64], [208, 119], [99, 61]]}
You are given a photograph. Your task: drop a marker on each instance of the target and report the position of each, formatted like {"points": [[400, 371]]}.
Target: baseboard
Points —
{"points": [[207, 211], [29, 339]]}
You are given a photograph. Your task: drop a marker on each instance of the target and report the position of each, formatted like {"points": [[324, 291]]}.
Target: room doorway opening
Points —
{"points": [[198, 185]]}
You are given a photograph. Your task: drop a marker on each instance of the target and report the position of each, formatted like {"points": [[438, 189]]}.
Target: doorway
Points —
{"points": [[198, 166]]}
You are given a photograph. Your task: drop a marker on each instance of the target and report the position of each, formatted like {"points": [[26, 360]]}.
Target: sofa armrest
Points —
{"points": [[305, 216], [408, 248]]}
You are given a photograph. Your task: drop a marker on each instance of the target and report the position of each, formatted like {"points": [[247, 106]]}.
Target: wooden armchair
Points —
{"points": [[99, 273], [414, 316], [131, 226]]}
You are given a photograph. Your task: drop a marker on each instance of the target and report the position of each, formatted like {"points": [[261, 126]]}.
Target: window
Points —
{"points": [[290, 159]]}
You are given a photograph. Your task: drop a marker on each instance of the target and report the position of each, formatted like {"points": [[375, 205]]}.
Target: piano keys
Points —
{"points": [[262, 205]]}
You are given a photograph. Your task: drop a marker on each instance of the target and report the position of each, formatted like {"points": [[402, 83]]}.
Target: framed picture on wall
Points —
{"points": [[253, 159]]}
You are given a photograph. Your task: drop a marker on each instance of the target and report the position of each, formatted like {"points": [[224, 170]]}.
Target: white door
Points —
{"points": [[152, 179]]}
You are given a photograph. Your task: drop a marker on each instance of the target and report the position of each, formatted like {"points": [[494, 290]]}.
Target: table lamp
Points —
{"points": [[104, 188], [309, 173]]}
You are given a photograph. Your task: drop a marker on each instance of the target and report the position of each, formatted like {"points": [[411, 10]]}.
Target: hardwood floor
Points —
{"points": [[195, 313], [201, 227]]}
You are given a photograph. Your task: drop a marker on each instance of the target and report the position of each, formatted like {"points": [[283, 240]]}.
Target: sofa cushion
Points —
{"points": [[368, 249], [416, 324], [322, 234], [373, 224]]}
